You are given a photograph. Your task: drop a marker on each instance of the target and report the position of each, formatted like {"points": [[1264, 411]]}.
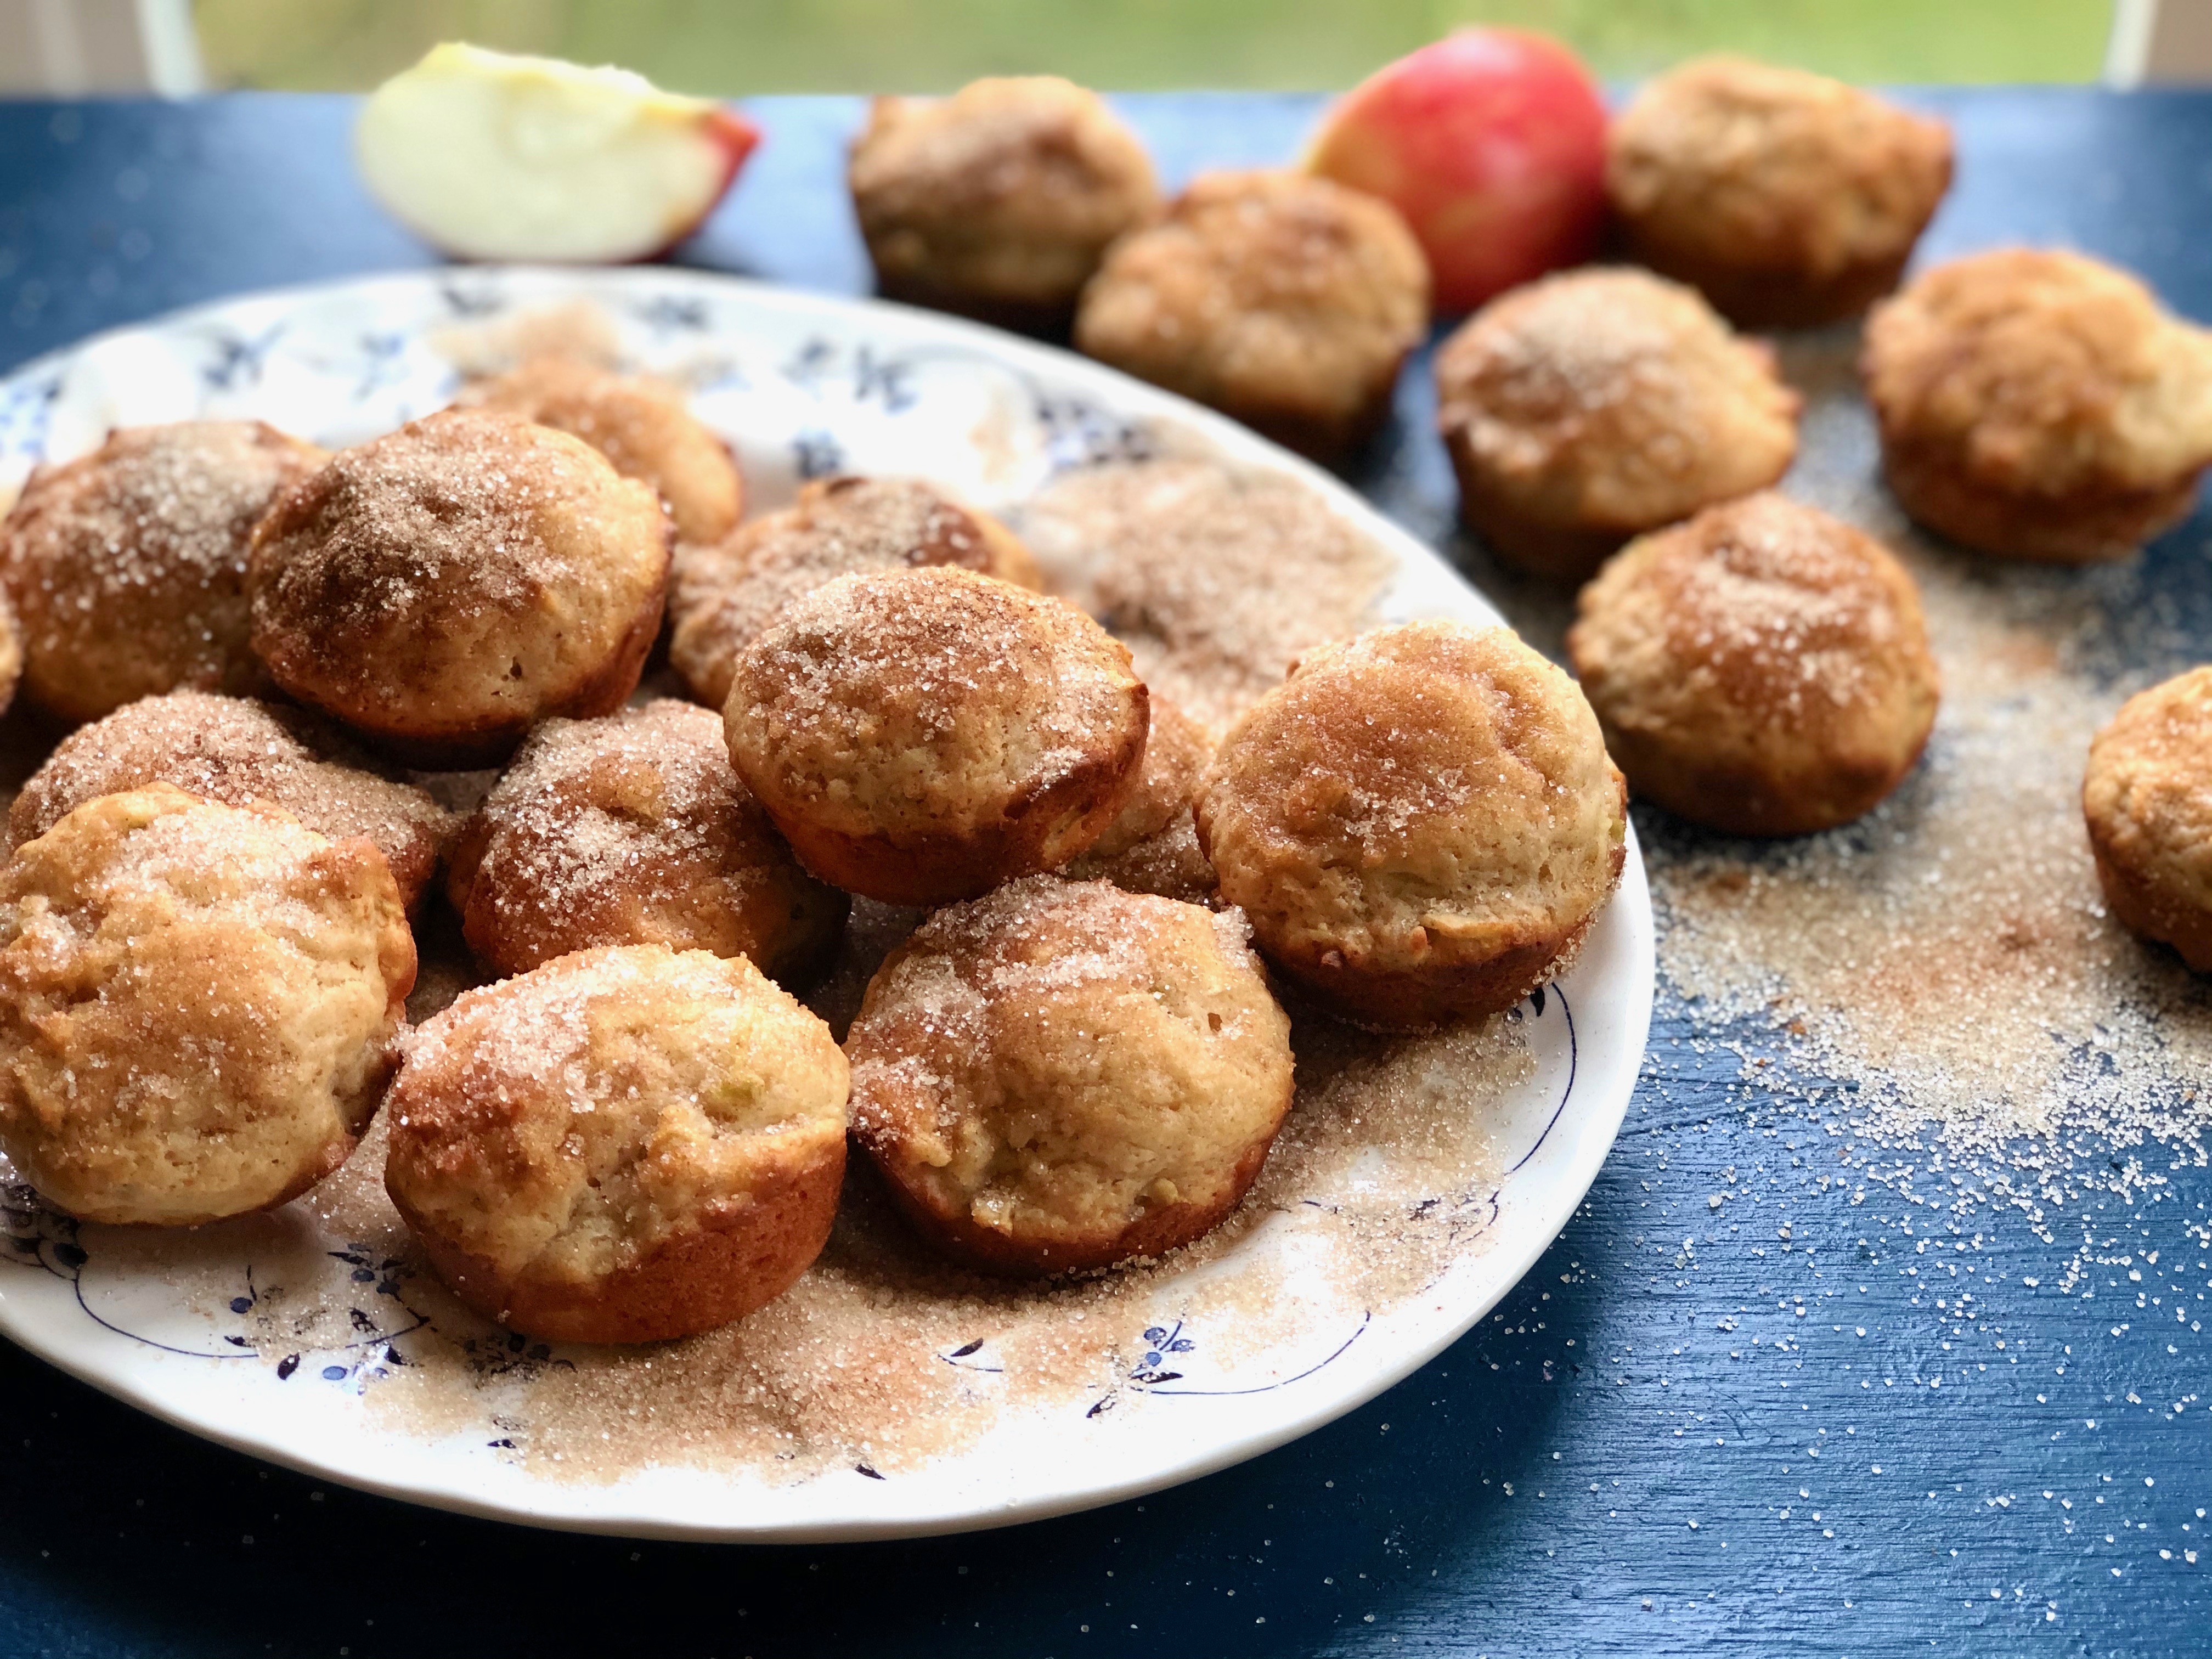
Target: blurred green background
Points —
{"points": [[736, 46]]}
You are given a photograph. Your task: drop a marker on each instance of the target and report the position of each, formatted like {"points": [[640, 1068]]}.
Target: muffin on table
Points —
{"points": [[1763, 669], [625, 1144], [1152, 847], [199, 1006], [1063, 1075], [2039, 405], [1421, 823], [127, 567], [237, 751], [640, 425], [1789, 199], [1588, 407], [443, 588], [721, 595], [633, 830], [1284, 301], [997, 202], [2146, 796], [922, 735]]}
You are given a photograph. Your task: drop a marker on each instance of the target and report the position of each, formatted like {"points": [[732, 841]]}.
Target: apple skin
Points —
{"points": [[738, 138], [1492, 143]]}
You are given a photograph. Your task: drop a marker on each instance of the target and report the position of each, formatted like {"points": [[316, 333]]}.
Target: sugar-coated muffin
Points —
{"points": [[1789, 198], [920, 736], [997, 202], [2039, 405], [1422, 823], [199, 1006], [1591, 406], [1281, 299], [11, 651], [127, 567], [625, 1144], [1152, 847], [238, 749], [721, 595], [443, 588], [641, 425], [1063, 1075], [633, 830], [1763, 669], [2146, 797]]}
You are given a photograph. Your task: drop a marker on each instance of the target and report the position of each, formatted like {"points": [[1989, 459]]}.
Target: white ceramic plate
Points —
{"points": [[800, 384]]}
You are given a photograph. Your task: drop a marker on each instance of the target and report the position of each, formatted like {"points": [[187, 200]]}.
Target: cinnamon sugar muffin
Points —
{"points": [[640, 425], [1763, 669], [633, 830], [1281, 299], [1062, 1075], [1152, 847], [2039, 405], [998, 201], [127, 566], [920, 736], [2146, 797], [199, 1005], [444, 587], [1592, 405], [1422, 824], [625, 1144], [236, 750], [1788, 198], [721, 596]]}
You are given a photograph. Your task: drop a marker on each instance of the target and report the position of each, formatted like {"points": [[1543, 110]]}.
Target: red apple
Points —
{"points": [[491, 157], [1492, 143]]}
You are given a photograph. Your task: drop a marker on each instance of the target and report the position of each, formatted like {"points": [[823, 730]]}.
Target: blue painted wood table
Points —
{"points": [[1758, 1397]]}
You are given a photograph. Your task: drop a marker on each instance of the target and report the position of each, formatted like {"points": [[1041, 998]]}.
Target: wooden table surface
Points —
{"points": [[1533, 1491]]}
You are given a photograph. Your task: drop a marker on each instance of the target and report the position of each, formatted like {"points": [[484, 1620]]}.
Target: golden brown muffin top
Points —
{"points": [[2043, 373], [1176, 755], [2148, 791], [1610, 398], [1749, 164]]}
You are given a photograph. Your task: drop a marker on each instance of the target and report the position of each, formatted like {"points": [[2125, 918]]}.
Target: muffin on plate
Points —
{"points": [[2146, 797], [199, 1006], [920, 736], [1063, 1075], [1789, 199], [1763, 669], [1284, 301], [1591, 406], [1152, 847], [127, 567], [625, 1144], [443, 588], [721, 595], [1422, 823], [997, 202], [2039, 405], [633, 830]]}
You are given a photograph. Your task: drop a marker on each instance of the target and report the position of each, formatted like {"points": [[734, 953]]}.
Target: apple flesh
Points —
{"points": [[1492, 143], [491, 157]]}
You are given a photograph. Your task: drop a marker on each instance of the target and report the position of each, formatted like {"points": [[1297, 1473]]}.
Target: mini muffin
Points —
{"points": [[997, 202], [626, 1145], [2039, 405], [633, 830], [1062, 1075], [2148, 798], [443, 588], [199, 1006], [920, 736], [11, 651], [235, 751], [1591, 406], [1763, 669], [1790, 199], [640, 425], [721, 596], [1283, 299], [1422, 824], [127, 567], [1152, 847]]}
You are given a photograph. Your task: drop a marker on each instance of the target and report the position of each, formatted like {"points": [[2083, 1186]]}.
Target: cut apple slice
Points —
{"points": [[491, 157]]}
